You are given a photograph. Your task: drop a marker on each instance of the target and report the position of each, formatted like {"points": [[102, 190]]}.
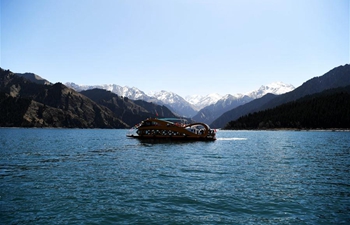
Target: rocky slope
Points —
{"points": [[129, 111], [27, 104]]}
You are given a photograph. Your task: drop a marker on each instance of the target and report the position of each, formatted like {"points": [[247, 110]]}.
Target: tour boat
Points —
{"points": [[172, 128]]}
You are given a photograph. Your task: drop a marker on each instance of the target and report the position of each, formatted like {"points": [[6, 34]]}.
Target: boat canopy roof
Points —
{"points": [[171, 119]]}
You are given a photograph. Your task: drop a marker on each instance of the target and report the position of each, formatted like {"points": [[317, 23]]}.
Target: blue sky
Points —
{"points": [[184, 46]]}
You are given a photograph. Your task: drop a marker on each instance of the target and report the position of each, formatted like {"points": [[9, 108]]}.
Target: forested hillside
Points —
{"points": [[335, 78], [326, 110]]}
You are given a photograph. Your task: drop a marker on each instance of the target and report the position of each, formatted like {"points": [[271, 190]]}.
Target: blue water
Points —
{"points": [[73, 176]]}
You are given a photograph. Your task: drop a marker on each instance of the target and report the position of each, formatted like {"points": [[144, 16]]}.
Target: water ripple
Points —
{"points": [[65, 176]]}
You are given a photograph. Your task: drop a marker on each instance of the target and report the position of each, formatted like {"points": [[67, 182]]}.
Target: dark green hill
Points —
{"points": [[326, 110], [337, 77]]}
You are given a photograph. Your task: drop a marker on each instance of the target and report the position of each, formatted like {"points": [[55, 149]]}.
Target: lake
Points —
{"points": [[97, 176]]}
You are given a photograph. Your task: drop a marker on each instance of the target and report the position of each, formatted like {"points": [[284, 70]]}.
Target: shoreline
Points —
{"points": [[293, 129], [274, 129]]}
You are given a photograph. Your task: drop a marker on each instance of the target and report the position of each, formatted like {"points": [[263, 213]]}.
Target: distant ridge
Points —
{"points": [[34, 78], [337, 77]]}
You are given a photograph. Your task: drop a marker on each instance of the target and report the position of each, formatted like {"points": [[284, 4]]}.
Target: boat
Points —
{"points": [[172, 128]]}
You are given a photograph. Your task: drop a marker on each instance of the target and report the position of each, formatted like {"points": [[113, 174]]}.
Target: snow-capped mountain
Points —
{"points": [[276, 88], [211, 112], [201, 108], [132, 93], [198, 102], [229, 99], [175, 102]]}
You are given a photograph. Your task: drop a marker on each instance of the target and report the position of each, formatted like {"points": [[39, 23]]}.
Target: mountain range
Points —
{"points": [[201, 108], [211, 112], [27, 100]]}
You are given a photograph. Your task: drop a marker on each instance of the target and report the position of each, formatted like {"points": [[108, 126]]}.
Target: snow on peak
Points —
{"points": [[200, 102], [166, 97], [132, 93], [196, 102], [276, 88]]}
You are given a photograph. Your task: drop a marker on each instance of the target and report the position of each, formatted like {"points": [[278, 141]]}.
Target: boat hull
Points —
{"points": [[166, 130], [179, 138]]}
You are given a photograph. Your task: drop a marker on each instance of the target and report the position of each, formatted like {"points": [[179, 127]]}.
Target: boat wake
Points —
{"points": [[232, 139]]}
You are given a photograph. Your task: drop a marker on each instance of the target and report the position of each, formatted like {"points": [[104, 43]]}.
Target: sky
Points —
{"points": [[189, 47]]}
